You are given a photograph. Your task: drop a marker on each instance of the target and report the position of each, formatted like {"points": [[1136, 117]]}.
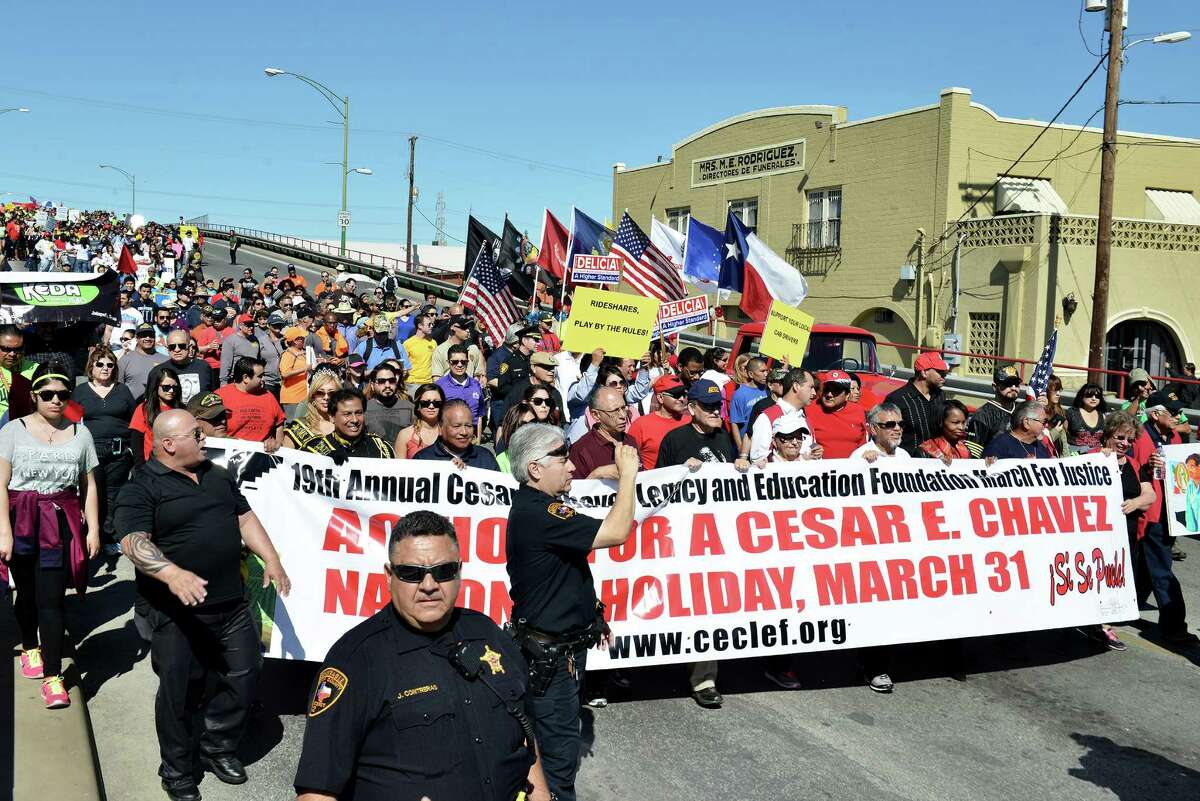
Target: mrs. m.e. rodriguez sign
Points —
{"points": [[755, 163]]}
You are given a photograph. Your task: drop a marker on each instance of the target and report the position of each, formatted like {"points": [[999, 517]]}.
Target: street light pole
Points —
{"points": [[408, 251], [1108, 169], [344, 110], [21, 110], [132, 186]]}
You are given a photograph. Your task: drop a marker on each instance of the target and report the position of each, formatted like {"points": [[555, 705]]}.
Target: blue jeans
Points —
{"points": [[556, 722], [1156, 551]]}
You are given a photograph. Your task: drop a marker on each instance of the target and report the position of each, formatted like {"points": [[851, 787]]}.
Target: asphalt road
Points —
{"points": [[1047, 715]]}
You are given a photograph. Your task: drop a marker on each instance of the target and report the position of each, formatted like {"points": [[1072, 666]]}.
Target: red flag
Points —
{"points": [[125, 263], [552, 256]]}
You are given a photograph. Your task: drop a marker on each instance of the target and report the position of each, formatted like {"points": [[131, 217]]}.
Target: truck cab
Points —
{"points": [[832, 347]]}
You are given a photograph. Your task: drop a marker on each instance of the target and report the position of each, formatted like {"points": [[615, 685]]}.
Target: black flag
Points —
{"points": [[512, 262], [477, 235]]}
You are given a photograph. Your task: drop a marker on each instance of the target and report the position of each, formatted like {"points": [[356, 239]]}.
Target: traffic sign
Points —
{"points": [[344, 219]]}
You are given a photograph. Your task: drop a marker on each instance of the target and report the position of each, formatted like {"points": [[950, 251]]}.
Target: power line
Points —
{"points": [[440, 231]]}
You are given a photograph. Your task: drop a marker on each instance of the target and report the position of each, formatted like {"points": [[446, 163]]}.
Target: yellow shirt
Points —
{"points": [[420, 353]]}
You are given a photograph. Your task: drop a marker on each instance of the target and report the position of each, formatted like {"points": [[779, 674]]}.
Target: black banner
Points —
{"points": [[512, 262], [27, 298], [477, 235]]}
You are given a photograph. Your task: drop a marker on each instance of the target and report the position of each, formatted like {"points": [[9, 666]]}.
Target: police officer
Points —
{"points": [[514, 369], [422, 700], [182, 522], [556, 616]]}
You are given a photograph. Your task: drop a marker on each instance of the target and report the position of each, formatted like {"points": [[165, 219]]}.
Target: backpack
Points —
{"points": [[371, 349]]}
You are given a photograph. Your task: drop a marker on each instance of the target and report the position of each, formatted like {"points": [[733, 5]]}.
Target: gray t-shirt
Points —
{"points": [[46, 468], [133, 370], [387, 422]]}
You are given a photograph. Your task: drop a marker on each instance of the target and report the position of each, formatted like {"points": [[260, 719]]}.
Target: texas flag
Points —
{"points": [[750, 267]]}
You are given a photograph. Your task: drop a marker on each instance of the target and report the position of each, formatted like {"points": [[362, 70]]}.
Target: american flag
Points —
{"points": [[487, 292], [1045, 366], [647, 269]]}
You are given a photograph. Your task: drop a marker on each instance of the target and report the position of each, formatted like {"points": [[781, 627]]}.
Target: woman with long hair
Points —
{"points": [[544, 400], [715, 361], [517, 415], [1056, 416], [1085, 420], [163, 392], [46, 534], [313, 419], [427, 422], [108, 407], [951, 442]]}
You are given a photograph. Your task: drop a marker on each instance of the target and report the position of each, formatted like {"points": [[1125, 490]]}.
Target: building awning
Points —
{"points": [[1172, 206], [1035, 195]]}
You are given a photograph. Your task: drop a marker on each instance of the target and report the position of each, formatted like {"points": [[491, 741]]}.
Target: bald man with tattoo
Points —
{"points": [[182, 522]]}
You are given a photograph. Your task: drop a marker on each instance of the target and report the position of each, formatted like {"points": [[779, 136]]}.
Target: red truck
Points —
{"points": [[832, 347]]}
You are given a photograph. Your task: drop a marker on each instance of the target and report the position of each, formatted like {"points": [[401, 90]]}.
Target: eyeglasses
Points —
{"points": [[176, 346], [677, 393], [539, 401], [391, 380], [1120, 438], [326, 393], [1092, 395], [47, 395], [127, 339], [708, 408], [620, 410], [168, 387], [887, 425], [105, 365], [835, 389], [794, 436], [460, 363], [6, 349], [415, 574], [430, 404], [616, 384]]}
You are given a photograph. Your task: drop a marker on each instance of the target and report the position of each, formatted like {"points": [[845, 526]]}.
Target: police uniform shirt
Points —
{"points": [[512, 370], [547, 547], [391, 718], [194, 524]]}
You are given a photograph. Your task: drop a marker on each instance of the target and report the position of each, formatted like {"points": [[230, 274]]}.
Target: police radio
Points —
{"points": [[467, 658]]}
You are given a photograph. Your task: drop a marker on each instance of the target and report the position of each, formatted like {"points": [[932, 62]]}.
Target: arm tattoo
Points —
{"points": [[144, 554]]}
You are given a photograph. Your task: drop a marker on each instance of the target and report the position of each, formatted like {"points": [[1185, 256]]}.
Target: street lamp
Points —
{"points": [[132, 186], [1163, 38], [344, 111], [19, 110]]}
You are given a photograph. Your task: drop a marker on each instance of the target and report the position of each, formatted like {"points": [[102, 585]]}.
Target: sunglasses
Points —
{"points": [[47, 395], [415, 574], [561, 451], [887, 425], [539, 401], [324, 393], [677, 394], [1092, 395], [430, 404], [385, 380], [459, 362], [710, 408], [6, 349], [795, 436], [176, 346], [168, 387], [616, 384], [106, 365], [127, 339]]}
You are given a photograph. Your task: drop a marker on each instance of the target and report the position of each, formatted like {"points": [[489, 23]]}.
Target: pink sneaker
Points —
{"points": [[54, 693], [31, 663]]}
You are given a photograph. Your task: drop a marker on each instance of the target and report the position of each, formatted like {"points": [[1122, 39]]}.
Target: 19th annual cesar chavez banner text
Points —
{"points": [[798, 557]]}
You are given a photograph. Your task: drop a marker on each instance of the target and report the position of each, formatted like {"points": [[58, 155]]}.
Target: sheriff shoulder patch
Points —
{"points": [[561, 510], [331, 685], [503, 368]]}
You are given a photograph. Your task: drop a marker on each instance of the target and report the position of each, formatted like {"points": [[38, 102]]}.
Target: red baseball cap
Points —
{"points": [[667, 382], [837, 377], [930, 360]]}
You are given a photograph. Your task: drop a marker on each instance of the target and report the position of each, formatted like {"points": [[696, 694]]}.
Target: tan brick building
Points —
{"points": [[846, 203]]}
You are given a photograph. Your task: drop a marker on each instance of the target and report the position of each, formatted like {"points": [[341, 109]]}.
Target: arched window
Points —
{"points": [[1140, 343]]}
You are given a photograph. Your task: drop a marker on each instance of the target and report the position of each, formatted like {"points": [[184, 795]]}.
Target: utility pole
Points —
{"points": [[345, 170], [412, 155], [1108, 168]]}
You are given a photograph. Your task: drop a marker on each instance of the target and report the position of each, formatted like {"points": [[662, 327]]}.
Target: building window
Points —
{"points": [[825, 218], [984, 332], [885, 316], [746, 210], [678, 218]]}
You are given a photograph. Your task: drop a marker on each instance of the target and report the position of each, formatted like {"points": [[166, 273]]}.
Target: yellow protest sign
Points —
{"points": [[786, 334], [619, 323]]}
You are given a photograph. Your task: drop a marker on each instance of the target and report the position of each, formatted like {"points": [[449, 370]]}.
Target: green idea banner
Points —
{"points": [[27, 298]]}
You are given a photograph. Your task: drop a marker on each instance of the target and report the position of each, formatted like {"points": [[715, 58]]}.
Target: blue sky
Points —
{"points": [[556, 92]]}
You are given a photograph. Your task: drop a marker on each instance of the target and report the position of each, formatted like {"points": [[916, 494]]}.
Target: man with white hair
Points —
{"points": [[558, 617], [885, 430]]}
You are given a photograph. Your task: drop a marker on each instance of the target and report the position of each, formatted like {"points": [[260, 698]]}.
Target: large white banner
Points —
{"points": [[804, 556]]}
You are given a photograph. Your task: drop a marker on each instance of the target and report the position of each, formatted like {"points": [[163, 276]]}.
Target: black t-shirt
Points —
{"points": [[108, 417], [760, 406], [1006, 446], [194, 379], [685, 442], [547, 549], [389, 717], [194, 524], [1131, 487]]}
